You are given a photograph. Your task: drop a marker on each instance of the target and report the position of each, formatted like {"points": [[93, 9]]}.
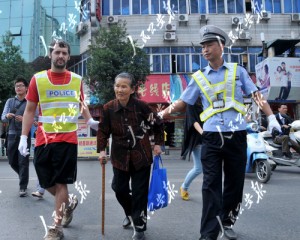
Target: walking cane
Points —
{"points": [[103, 194]]}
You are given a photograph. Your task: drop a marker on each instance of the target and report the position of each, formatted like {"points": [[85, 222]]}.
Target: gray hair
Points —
{"points": [[128, 76]]}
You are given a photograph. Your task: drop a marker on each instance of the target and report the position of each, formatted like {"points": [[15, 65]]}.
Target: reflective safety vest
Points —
{"points": [[59, 103], [211, 91]]}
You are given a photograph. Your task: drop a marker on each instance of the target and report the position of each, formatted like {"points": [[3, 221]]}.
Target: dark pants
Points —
{"points": [[17, 162], [134, 201], [217, 156], [285, 140]]}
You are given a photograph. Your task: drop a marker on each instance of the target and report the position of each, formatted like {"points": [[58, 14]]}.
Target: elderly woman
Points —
{"points": [[130, 122]]}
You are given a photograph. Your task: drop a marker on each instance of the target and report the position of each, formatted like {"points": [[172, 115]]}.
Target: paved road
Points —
{"points": [[275, 215]]}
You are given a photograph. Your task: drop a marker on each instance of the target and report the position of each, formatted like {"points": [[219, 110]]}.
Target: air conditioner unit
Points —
{"points": [[170, 36], [170, 27], [295, 17], [203, 18], [244, 35], [81, 28], [112, 19], [183, 18], [237, 20], [265, 15]]}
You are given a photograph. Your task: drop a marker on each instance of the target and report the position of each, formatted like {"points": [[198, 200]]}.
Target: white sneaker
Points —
{"points": [[68, 214], [37, 194], [54, 234]]}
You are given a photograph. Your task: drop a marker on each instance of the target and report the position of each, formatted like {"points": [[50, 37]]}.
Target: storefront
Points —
{"points": [[160, 91]]}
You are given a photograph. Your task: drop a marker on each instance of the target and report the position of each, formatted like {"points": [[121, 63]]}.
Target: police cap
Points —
{"points": [[213, 33]]}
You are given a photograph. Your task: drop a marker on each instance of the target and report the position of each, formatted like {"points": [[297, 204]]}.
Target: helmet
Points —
{"points": [[275, 132]]}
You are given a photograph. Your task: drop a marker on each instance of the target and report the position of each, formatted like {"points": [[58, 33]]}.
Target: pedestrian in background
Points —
{"points": [[59, 95], [192, 144], [130, 122], [221, 86], [13, 115]]}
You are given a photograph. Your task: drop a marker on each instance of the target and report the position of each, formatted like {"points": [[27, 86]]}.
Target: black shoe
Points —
{"points": [[229, 233], [286, 156], [138, 236], [126, 222], [23, 193], [289, 155]]}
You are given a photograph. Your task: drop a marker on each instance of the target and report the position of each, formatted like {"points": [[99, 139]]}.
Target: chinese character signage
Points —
{"points": [[87, 147], [163, 88]]}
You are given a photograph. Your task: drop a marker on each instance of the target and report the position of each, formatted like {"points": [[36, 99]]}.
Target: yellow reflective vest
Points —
{"points": [[59, 103], [211, 91]]}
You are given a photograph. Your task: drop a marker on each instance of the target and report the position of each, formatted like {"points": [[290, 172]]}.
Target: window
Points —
{"points": [[105, 7], [194, 5], [195, 62], [180, 64], [182, 6], [85, 14], [273, 6], [220, 6], [140, 7], [235, 6], [144, 7], [116, 7], [155, 7], [212, 6], [157, 63], [291, 6], [188, 59], [125, 7]]}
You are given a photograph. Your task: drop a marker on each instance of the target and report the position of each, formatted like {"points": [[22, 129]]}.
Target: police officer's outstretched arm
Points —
{"points": [[177, 106], [265, 107]]}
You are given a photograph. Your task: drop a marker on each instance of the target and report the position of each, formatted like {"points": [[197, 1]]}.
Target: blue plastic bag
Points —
{"points": [[158, 190]]}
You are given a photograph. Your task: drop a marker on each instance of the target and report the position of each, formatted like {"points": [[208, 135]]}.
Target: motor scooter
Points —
{"points": [[274, 150], [257, 158]]}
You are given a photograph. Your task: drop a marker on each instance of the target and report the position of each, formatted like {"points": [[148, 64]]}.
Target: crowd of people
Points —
{"points": [[215, 137]]}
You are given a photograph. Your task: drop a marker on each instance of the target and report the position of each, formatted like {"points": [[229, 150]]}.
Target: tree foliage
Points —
{"points": [[111, 53], [11, 65]]}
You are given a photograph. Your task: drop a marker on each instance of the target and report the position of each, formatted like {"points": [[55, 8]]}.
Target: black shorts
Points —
{"points": [[56, 163]]}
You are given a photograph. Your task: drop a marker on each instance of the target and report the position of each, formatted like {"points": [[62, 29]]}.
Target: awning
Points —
{"points": [[162, 88], [281, 45]]}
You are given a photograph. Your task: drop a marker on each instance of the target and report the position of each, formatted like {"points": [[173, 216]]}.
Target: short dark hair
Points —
{"points": [[61, 44], [22, 80], [282, 104]]}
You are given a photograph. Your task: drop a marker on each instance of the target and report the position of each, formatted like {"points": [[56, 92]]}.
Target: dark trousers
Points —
{"points": [[134, 201], [228, 155], [285, 140], [17, 162]]}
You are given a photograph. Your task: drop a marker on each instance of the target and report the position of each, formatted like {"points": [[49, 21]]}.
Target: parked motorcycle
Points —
{"points": [[274, 150], [257, 158]]}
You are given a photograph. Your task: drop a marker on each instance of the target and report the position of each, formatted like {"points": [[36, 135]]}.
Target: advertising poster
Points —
{"points": [[279, 78], [82, 129], [87, 147]]}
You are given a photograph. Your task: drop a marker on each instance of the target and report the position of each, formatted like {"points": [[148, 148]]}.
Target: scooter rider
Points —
{"points": [[283, 138], [220, 86], [283, 119]]}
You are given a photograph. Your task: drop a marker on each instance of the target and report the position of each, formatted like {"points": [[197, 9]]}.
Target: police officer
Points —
{"points": [[220, 86]]}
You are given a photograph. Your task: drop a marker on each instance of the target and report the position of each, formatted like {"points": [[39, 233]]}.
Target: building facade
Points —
{"points": [[35, 23]]}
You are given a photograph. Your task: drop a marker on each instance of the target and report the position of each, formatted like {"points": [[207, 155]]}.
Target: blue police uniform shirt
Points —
{"points": [[229, 120]]}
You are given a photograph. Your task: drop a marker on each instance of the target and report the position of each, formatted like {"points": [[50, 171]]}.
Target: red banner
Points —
{"points": [[156, 89]]}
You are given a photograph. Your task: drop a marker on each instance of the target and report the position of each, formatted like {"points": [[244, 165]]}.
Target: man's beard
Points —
{"points": [[59, 66]]}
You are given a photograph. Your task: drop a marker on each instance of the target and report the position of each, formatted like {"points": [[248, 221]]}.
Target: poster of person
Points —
{"points": [[278, 78]]}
